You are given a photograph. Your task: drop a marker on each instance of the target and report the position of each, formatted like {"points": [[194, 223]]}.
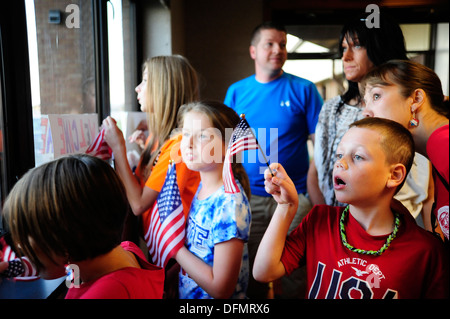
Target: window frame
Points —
{"points": [[16, 94], [429, 54], [16, 103]]}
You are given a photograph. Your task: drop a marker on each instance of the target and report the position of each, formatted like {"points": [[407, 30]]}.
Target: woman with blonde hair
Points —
{"points": [[168, 82]]}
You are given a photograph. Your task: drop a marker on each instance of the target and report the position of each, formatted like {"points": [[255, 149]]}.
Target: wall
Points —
{"points": [[441, 66], [217, 41], [213, 35], [65, 57], [156, 37]]}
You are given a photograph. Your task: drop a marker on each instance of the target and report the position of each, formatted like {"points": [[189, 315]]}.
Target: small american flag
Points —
{"points": [[166, 232], [99, 148], [20, 268], [242, 139]]}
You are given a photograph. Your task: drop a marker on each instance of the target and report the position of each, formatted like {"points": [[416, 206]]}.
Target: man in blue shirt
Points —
{"points": [[283, 110]]}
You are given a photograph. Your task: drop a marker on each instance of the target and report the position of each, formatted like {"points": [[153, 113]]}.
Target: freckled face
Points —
{"points": [[202, 147], [361, 171]]}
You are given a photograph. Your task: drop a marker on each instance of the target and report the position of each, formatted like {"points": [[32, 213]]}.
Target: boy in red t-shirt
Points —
{"points": [[370, 249]]}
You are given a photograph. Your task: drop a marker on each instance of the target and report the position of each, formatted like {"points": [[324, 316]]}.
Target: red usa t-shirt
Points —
{"points": [[438, 154], [414, 266], [146, 282]]}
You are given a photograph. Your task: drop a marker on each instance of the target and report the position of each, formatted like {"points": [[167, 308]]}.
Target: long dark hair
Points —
{"points": [[382, 43]]}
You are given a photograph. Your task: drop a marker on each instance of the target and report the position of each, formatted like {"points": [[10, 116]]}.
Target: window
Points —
{"points": [[313, 53], [123, 75], [62, 75], [2, 169], [17, 154]]}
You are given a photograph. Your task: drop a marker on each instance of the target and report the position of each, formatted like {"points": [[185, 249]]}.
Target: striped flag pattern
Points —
{"points": [[99, 148], [166, 232], [242, 139]]}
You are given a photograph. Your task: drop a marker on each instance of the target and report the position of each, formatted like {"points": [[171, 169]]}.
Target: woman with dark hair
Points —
{"points": [[362, 49], [380, 45], [411, 94]]}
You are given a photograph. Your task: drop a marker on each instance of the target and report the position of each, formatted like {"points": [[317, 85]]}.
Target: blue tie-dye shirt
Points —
{"points": [[214, 220]]}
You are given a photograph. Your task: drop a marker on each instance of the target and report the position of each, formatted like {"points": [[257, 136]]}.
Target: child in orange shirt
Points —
{"points": [[161, 75]]}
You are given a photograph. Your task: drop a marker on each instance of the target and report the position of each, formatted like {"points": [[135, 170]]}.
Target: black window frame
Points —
{"points": [[16, 104]]}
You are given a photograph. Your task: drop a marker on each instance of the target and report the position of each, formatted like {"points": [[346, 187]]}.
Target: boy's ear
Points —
{"points": [[398, 174]]}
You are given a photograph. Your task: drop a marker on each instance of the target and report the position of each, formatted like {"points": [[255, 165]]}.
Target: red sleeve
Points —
{"points": [[438, 150], [294, 252], [437, 274]]}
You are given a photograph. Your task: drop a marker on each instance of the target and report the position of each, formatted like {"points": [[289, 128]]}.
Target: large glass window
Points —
{"points": [[2, 169], [123, 75], [63, 70], [62, 74], [61, 49]]}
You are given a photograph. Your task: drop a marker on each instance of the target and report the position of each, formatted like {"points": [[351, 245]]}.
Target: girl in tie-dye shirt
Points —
{"points": [[214, 260]]}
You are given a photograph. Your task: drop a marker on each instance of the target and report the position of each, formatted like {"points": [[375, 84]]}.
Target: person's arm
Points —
{"points": [[428, 203], [220, 280], [312, 181], [140, 199], [312, 184], [268, 266]]}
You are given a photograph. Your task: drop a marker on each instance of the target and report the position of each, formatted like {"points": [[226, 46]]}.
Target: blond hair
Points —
{"points": [[172, 82]]}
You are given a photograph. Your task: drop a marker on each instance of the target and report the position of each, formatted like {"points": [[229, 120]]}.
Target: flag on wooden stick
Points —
{"points": [[166, 232]]}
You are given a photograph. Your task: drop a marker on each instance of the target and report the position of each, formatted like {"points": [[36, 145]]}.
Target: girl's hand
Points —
{"points": [[138, 137], [113, 135], [280, 186]]}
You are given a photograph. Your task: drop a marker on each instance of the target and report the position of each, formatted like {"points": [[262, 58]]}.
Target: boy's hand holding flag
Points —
{"points": [[242, 139]]}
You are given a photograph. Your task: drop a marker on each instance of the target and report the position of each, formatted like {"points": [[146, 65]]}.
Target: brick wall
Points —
{"points": [[66, 56]]}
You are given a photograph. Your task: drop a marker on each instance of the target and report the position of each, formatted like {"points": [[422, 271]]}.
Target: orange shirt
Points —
{"points": [[188, 180]]}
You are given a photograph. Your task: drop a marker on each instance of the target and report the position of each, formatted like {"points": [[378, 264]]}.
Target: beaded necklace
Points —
{"points": [[368, 252]]}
